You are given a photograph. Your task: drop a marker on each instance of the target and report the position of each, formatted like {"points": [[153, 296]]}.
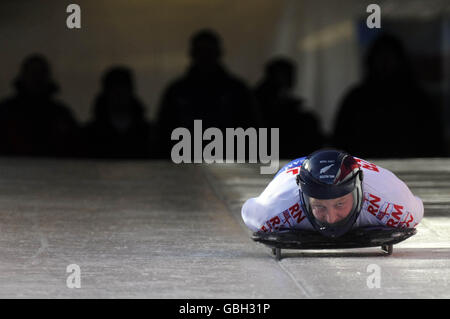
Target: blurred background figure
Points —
{"points": [[32, 122], [300, 131], [388, 114], [119, 128], [207, 91], [327, 46]]}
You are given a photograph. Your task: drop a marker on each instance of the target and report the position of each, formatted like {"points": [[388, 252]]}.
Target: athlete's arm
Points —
{"points": [[277, 205], [388, 199]]}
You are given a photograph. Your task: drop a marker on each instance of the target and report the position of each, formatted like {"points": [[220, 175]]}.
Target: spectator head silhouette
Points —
{"points": [[117, 103], [206, 49], [35, 78], [387, 61], [281, 73]]}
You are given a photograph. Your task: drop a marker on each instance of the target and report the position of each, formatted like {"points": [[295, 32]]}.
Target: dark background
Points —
{"points": [[317, 90]]}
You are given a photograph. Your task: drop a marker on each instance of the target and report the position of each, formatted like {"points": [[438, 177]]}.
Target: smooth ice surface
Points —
{"points": [[159, 230]]}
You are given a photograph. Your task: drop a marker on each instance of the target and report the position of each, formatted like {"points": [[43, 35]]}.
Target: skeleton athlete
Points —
{"points": [[332, 192]]}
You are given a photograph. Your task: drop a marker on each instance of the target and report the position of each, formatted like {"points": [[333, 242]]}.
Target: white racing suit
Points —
{"points": [[387, 201]]}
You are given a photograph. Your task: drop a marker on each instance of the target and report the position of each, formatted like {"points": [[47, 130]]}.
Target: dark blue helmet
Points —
{"points": [[329, 174]]}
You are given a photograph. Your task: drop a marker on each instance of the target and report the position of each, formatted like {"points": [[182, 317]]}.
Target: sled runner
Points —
{"points": [[358, 238]]}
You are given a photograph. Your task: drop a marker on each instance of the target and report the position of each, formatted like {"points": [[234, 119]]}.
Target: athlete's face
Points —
{"points": [[332, 210]]}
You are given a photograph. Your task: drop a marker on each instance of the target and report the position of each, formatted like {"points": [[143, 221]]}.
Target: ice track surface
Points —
{"points": [[159, 230]]}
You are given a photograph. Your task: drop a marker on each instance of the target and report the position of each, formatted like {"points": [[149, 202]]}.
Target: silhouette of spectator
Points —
{"points": [[299, 129], [32, 123], [207, 92], [388, 114], [119, 128]]}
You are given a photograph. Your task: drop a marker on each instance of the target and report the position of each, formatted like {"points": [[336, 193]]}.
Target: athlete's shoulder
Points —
{"points": [[387, 199], [291, 165], [382, 181], [278, 204]]}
